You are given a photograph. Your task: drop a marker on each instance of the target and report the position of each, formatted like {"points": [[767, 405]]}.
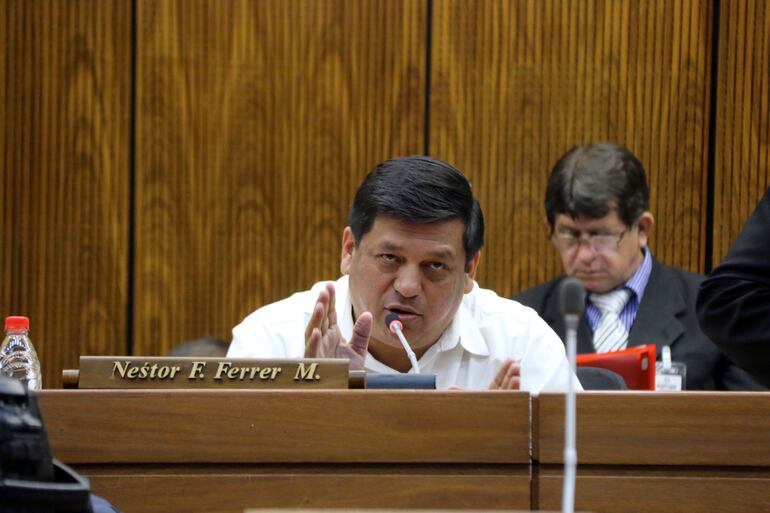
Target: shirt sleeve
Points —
{"points": [[733, 302], [544, 367], [261, 335]]}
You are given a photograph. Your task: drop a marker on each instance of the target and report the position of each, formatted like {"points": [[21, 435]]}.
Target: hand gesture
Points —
{"points": [[323, 338], [508, 377]]}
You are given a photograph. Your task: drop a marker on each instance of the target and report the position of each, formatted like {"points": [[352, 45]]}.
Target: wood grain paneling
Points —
{"points": [[658, 452], [742, 152], [344, 489], [64, 133], [645, 428], [516, 84], [412, 449], [256, 120], [255, 123], [147, 450], [251, 426], [613, 490]]}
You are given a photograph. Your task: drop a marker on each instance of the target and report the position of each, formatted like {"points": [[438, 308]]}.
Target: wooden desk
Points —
{"points": [[211, 451], [657, 452], [224, 451]]}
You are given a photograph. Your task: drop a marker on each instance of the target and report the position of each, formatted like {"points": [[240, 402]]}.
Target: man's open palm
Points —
{"points": [[323, 338]]}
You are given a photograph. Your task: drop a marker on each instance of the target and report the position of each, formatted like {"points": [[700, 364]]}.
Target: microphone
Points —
{"points": [[395, 326], [572, 298]]}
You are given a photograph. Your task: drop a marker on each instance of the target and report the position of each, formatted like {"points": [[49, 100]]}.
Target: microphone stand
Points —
{"points": [[572, 299], [570, 451]]}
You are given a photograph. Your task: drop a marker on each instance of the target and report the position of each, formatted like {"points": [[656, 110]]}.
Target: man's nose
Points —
{"points": [[407, 282], [584, 253]]}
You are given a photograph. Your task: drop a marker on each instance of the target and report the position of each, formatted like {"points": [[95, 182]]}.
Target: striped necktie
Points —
{"points": [[610, 333]]}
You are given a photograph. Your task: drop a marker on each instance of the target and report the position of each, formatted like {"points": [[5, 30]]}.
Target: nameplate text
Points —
{"points": [[192, 372]]}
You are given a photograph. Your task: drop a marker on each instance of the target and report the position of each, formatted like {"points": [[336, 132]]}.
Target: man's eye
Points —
{"points": [[387, 257], [436, 266]]}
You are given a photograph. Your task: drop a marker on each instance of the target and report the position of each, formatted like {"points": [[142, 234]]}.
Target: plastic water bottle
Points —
{"points": [[18, 358]]}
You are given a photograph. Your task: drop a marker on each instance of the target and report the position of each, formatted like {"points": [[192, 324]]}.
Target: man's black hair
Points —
{"points": [[590, 181], [419, 190]]}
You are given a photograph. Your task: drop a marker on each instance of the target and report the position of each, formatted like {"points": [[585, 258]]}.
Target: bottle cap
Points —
{"points": [[16, 323]]}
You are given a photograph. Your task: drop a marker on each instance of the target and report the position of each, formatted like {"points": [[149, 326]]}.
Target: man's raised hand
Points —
{"points": [[508, 377], [323, 338]]}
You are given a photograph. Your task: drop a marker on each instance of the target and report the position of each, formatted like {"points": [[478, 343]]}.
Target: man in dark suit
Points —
{"points": [[734, 301], [597, 207]]}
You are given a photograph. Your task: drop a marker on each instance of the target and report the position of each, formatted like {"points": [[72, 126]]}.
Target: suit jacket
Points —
{"points": [[734, 301], [666, 316]]}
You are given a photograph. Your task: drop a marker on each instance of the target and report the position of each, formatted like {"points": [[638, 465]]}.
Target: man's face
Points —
{"points": [[414, 270], [615, 262]]}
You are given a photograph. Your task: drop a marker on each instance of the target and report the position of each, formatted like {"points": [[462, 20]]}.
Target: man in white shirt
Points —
{"points": [[411, 248]]}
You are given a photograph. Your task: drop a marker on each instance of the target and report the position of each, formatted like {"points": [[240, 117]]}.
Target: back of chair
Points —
{"points": [[596, 378]]}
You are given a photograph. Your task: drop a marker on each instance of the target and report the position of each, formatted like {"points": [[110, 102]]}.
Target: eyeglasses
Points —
{"points": [[568, 240]]}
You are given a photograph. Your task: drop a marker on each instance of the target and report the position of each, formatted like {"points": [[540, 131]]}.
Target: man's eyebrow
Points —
{"points": [[442, 253], [596, 230], [388, 246]]}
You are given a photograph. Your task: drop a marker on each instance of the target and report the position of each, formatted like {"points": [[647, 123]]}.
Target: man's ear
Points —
{"points": [[348, 246], [644, 224], [470, 271]]}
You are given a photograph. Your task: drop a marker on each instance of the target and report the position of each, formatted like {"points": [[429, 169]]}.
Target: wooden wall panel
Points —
{"points": [[257, 119], [742, 153], [64, 132], [516, 84], [255, 123]]}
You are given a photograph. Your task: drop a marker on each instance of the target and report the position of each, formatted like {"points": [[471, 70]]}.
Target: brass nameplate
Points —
{"points": [[192, 372]]}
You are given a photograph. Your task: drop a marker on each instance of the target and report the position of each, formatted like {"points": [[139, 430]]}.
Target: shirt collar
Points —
{"points": [[638, 281], [344, 307], [462, 330], [470, 337]]}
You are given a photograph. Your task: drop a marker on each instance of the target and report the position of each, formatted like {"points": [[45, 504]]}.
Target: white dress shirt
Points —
{"points": [[486, 330]]}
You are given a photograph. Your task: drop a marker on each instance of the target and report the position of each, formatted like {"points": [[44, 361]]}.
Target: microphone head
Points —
{"points": [[393, 322], [572, 297]]}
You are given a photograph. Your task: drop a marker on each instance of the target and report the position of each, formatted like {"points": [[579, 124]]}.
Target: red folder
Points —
{"points": [[636, 365]]}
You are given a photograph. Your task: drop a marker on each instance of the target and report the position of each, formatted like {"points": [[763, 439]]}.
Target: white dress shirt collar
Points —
{"points": [[462, 330]]}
